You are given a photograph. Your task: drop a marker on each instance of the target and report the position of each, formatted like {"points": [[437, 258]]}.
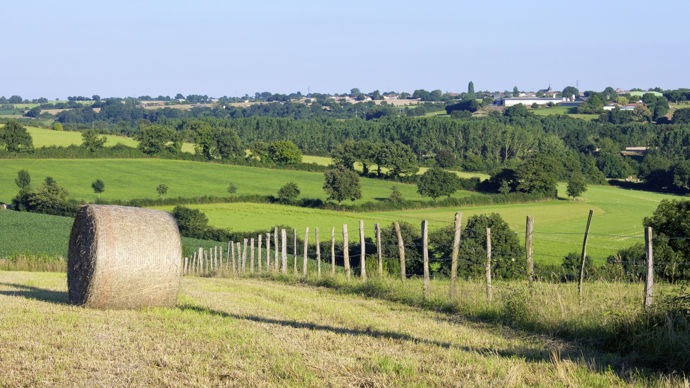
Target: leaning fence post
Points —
{"points": [[258, 252], [489, 291], [529, 233], [200, 267], [362, 252], [346, 253], [454, 257], [239, 257], [379, 252], [193, 268], [283, 236], [333, 250], [649, 283], [306, 251], [401, 251], [584, 257], [318, 251]]}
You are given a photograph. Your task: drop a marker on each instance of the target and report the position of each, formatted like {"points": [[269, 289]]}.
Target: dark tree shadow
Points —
{"points": [[29, 292], [531, 354]]}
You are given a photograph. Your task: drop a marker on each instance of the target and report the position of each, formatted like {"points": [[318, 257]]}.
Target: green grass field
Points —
{"points": [[249, 332], [138, 178], [47, 137], [31, 234], [559, 224], [326, 161], [563, 110]]}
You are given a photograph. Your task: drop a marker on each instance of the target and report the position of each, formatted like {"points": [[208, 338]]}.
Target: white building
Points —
{"points": [[528, 101]]}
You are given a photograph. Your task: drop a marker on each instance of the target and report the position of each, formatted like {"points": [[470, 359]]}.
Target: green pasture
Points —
{"points": [[559, 224], [563, 110], [326, 161], [47, 137], [29, 234], [138, 178]]}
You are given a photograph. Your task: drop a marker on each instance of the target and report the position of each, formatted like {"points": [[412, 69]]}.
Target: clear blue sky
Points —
{"points": [[131, 48]]}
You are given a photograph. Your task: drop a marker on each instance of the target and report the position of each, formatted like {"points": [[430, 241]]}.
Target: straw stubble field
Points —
{"points": [[248, 332]]}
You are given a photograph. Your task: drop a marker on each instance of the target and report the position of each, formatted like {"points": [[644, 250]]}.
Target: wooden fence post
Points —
{"points": [[425, 251], [268, 252], [649, 283], [193, 269], [240, 268], [258, 253], [306, 252], [529, 233], [294, 250], [184, 272], [454, 258], [200, 267], [220, 257], [379, 251], [227, 257], [215, 257], [333, 250], [232, 248], [362, 252], [251, 255], [283, 236], [489, 291], [346, 253], [318, 251], [401, 251], [244, 255], [276, 262], [583, 257]]}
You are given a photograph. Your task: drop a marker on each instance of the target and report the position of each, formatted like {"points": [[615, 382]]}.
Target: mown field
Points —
{"points": [[249, 332], [138, 178], [46, 137], [559, 224]]}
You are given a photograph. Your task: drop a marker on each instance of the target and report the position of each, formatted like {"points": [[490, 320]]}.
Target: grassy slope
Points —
{"points": [[36, 234], [138, 178], [559, 224], [46, 137], [326, 160], [249, 332]]}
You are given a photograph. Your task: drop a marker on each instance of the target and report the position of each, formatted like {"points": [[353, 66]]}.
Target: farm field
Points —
{"points": [[559, 224], [326, 161], [33, 234], [250, 332], [47, 137], [138, 178], [563, 110]]}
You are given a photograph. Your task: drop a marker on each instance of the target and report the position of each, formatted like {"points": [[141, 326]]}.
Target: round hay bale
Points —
{"points": [[124, 257]]}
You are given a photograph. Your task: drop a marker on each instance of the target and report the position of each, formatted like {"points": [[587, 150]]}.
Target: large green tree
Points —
{"points": [[538, 174], [436, 182], [91, 141], [15, 138], [342, 184]]}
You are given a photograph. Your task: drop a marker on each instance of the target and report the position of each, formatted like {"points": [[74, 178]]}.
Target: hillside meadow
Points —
{"points": [[249, 332], [43, 137], [138, 178], [559, 224]]}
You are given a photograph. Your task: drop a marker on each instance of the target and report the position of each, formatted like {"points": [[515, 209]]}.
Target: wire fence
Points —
{"points": [[282, 254]]}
